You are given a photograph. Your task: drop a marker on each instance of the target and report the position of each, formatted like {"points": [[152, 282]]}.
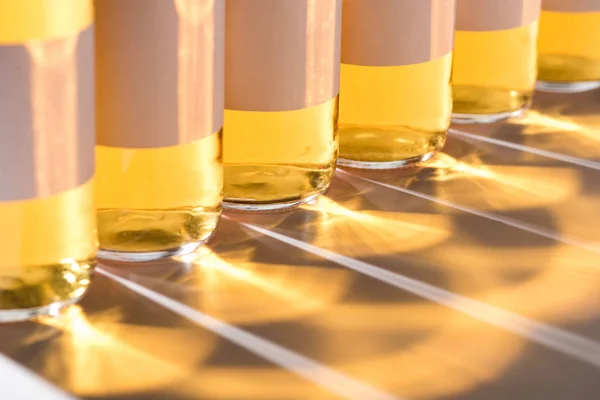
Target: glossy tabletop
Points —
{"points": [[476, 277]]}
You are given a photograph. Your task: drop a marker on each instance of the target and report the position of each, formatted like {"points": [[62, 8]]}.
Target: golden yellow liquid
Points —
{"points": [[158, 200], [279, 157], [569, 47], [494, 72], [47, 249], [49, 244], [394, 114]]}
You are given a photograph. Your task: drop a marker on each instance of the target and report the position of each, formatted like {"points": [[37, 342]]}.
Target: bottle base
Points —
{"points": [[36, 290], [407, 163], [469, 119], [486, 105], [567, 74], [387, 147], [566, 87], [149, 235], [125, 256], [255, 187], [284, 205], [25, 314]]}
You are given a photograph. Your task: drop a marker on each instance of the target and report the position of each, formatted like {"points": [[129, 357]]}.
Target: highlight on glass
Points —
{"points": [[160, 103], [396, 102], [281, 100], [495, 59], [569, 46], [48, 227]]}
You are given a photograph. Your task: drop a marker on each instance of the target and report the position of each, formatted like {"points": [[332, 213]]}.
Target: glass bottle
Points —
{"points": [[396, 100], [495, 66], [160, 69], [281, 100], [47, 214], [569, 46]]}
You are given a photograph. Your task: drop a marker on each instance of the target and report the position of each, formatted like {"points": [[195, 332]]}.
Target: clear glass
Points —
{"points": [[289, 160], [569, 51], [156, 203], [494, 73], [47, 252], [161, 200], [49, 244], [394, 116]]}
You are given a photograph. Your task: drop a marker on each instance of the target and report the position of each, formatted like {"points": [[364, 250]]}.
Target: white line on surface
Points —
{"points": [[551, 337], [487, 215], [323, 376], [19, 383], [527, 149]]}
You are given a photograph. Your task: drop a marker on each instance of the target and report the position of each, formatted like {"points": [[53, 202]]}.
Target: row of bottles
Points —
{"points": [[148, 120]]}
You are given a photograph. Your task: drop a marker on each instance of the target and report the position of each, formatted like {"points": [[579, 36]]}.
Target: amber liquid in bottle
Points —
{"points": [[282, 82], [396, 101], [159, 155], [48, 227], [393, 116], [494, 73], [158, 202], [569, 51], [47, 252], [290, 157], [495, 59]]}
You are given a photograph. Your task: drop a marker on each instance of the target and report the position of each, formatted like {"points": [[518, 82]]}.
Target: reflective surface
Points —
{"points": [[477, 277]]}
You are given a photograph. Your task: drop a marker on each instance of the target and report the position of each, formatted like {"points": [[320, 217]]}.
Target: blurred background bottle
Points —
{"points": [[160, 68], [569, 45], [495, 55], [396, 100], [47, 214], [282, 83]]}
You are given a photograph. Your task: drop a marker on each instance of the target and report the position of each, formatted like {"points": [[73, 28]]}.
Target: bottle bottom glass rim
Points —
{"points": [[468, 119], [566, 87], [25, 314], [274, 187], [244, 205], [146, 256], [136, 235], [405, 163]]}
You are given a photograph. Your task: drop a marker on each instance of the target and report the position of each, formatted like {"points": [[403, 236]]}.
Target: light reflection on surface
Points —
{"points": [[542, 281], [377, 232], [238, 288], [98, 355], [351, 338], [232, 382], [578, 136], [584, 293], [484, 187], [452, 353], [559, 190], [510, 188], [536, 123], [502, 187], [580, 217]]}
